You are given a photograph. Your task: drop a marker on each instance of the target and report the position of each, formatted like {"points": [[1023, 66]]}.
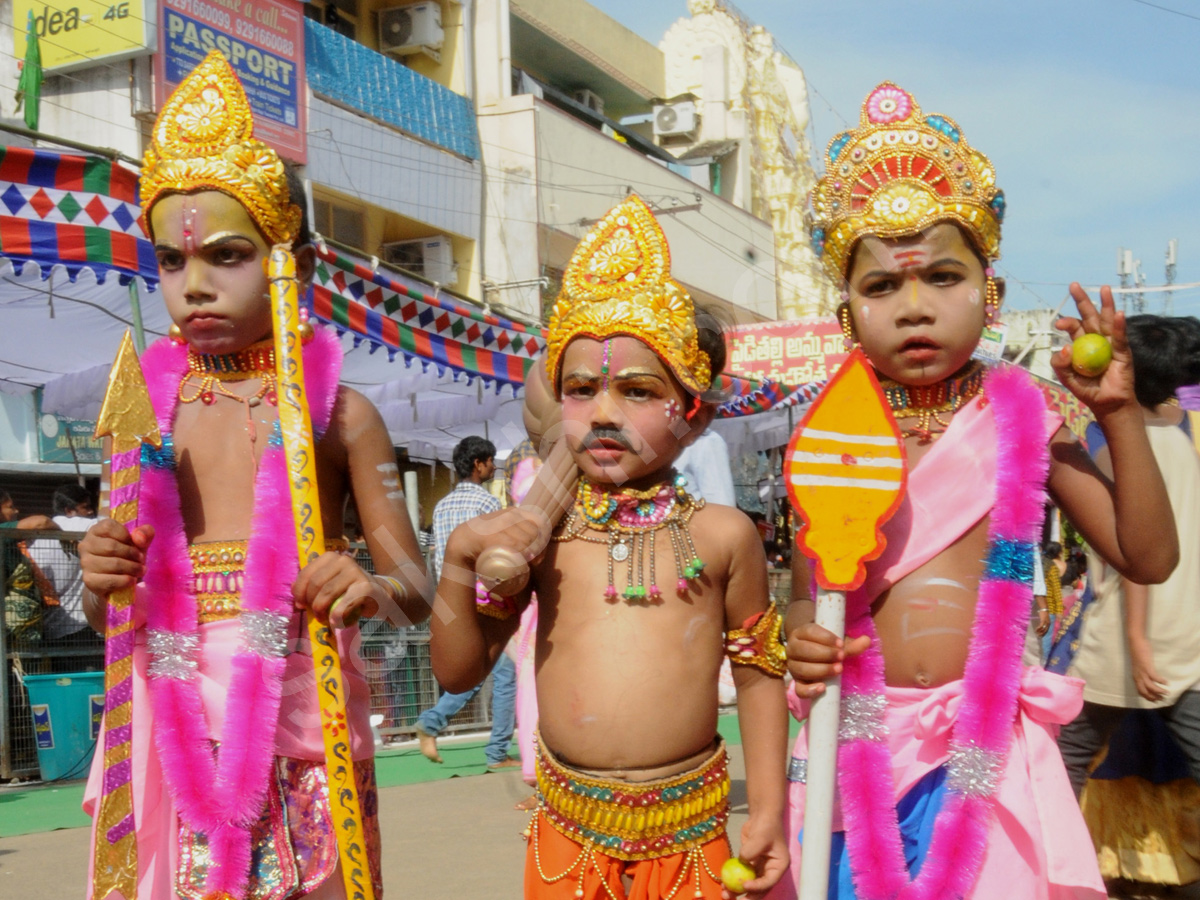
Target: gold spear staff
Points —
{"points": [[299, 449], [127, 418]]}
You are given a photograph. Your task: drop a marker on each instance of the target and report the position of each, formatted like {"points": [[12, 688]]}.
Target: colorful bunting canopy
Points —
{"points": [[377, 307], [79, 212]]}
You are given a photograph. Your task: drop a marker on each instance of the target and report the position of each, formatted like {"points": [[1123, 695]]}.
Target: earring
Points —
{"points": [[306, 330], [843, 314], [991, 297], [175, 333]]}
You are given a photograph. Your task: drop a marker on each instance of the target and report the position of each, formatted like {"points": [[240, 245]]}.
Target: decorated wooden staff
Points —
{"points": [[300, 451], [127, 419], [845, 473], [505, 572]]}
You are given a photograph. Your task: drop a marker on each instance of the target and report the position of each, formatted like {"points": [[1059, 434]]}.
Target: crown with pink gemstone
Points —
{"points": [[899, 172]]}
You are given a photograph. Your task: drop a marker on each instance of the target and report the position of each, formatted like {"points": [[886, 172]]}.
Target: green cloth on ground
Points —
{"points": [[39, 808]]}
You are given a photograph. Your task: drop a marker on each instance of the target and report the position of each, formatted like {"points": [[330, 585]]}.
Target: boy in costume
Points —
{"points": [[949, 782], [230, 790], [641, 592]]}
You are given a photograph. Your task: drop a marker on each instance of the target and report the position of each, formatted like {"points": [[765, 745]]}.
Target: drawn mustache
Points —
{"points": [[606, 433]]}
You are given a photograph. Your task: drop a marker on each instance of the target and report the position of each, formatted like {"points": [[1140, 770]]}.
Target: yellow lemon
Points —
{"points": [[1090, 355], [735, 874]]}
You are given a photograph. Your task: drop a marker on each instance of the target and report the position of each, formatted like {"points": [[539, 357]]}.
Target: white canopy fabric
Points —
{"points": [[62, 336]]}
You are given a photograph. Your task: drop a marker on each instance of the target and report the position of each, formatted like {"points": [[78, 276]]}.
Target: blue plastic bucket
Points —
{"points": [[66, 711]]}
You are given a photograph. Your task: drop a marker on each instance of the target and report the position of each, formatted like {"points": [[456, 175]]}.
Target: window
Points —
{"points": [[344, 224], [340, 15]]}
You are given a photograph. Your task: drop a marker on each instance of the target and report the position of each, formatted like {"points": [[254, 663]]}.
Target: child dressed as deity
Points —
{"points": [[949, 782], [226, 761], [641, 592]]}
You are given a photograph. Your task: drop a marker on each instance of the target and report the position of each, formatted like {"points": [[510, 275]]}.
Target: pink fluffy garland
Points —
{"points": [[991, 683], [222, 796]]}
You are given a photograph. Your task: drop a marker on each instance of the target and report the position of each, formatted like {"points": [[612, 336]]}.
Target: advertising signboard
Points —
{"points": [[794, 353], [263, 41], [75, 34]]}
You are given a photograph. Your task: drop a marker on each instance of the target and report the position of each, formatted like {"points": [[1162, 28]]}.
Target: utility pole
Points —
{"points": [[1172, 253], [1139, 280], [1124, 270]]}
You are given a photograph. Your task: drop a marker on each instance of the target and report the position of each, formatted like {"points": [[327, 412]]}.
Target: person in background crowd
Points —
{"points": [[1139, 649], [25, 587], [474, 462], [705, 463], [65, 626]]}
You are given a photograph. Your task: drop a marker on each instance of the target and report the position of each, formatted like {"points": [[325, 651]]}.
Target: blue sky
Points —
{"points": [[1089, 109]]}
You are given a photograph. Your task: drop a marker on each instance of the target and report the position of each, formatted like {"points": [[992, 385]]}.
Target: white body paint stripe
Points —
{"points": [[829, 481], [873, 440], [832, 459]]}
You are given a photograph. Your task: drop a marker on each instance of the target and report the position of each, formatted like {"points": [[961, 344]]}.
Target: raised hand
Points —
{"points": [[1113, 388]]}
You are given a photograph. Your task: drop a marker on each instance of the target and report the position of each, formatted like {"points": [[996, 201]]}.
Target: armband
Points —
{"points": [[493, 605], [757, 643]]}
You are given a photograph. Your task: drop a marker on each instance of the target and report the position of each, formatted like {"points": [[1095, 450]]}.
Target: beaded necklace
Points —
{"points": [[256, 361], [926, 402], [631, 520]]}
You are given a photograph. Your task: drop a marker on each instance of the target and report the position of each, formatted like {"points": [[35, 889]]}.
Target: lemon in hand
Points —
{"points": [[735, 874], [1090, 355]]}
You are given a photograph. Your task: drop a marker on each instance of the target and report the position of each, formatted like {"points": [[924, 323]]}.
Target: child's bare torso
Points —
{"points": [[217, 462], [630, 687], [924, 620]]}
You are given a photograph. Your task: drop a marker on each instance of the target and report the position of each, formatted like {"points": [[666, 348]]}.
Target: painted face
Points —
{"points": [[617, 397], [918, 303], [210, 262], [9, 511]]}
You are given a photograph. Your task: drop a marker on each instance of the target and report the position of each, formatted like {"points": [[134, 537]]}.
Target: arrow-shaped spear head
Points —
{"points": [[127, 415]]}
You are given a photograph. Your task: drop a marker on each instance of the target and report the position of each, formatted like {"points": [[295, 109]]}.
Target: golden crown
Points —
{"points": [[619, 282], [899, 172], [204, 138]]}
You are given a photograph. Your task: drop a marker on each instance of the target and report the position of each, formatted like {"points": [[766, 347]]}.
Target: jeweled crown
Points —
{"points": [[204, 138], [898, 172], [619, 282]]}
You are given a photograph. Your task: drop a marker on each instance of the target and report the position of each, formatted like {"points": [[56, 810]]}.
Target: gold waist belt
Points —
{"points": [[639, 820], [219, 571]]}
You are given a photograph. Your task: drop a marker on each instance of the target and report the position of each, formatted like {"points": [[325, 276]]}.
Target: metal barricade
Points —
{"points": [[398, 670], [44, 632]]}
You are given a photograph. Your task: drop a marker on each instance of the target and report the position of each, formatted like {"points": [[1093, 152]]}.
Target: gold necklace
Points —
{"points": [[631, 520], [256, 361], [928, 402]]}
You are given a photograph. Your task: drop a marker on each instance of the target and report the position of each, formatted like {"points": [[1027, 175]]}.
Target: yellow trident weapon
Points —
{"points": [[298, 445], [127, 417]]}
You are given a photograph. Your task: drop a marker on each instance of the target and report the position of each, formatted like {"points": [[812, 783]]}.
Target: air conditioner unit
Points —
{"points": [[591, 100], [417, 28], [675, 120], [430, 257]]}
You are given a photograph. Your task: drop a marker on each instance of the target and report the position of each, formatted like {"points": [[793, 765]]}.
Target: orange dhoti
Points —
{"points": [[601, 839]]}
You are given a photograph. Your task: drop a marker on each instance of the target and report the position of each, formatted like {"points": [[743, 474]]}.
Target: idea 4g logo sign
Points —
{"points": [[75, 34]]}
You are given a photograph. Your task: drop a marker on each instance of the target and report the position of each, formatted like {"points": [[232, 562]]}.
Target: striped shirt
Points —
{"points": [[465, 502]]}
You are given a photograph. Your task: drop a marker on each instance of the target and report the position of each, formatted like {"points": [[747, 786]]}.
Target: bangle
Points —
{"points": [[398, 590], [1043, 609]]}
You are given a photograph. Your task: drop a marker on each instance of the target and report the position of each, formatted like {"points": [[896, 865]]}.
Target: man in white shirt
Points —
{"points": [[64, 626]]}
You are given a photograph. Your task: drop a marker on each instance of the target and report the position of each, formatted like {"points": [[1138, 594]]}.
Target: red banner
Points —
{"points": [[795, 353]]}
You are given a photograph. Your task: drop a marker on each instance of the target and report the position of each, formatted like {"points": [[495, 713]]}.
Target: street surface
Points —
{"points": [[442, 840]]}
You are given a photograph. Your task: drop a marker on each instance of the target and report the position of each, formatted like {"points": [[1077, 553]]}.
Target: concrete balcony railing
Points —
{"points": [[353, 75]]}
